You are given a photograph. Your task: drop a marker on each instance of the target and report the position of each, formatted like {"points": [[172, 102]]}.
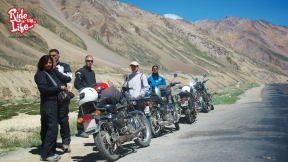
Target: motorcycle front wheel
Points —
{"points": [[205, 108], [189, 116], [210, 99], [108, 150], [156, 128], [144, 137]]}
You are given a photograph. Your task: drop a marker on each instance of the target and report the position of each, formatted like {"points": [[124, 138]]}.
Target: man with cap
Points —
{"points": [[137, 81], [155, 79], [63, 118]]}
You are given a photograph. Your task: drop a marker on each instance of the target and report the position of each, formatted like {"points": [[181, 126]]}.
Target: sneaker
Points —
{"points": [[83, 134], [51, 158], [66, 148]]}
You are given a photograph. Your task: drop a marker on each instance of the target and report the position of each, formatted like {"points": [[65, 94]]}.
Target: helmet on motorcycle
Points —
{"points": [[185, 89], [100, 85], [87, 95]]}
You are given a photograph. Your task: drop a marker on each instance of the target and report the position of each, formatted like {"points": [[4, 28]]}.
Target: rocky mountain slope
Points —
{"points": [[230, 50]]}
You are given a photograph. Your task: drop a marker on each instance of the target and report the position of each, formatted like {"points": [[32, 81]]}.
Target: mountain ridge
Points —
{"points": [[229, 50]]}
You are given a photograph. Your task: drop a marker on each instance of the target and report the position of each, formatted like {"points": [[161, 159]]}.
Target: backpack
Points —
{"points": [[110, 95]]}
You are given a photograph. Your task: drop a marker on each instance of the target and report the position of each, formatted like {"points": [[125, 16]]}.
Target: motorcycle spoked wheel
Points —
{"points": [[108, 151], [205, 108], [210, 99], [177, 126], [156, 128], [212, 107], [144, 138], [177, 114], [189, 116]]}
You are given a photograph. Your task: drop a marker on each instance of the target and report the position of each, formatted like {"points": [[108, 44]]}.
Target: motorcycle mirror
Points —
{"points": [[125, 77], [196, 80], [175, 75], [205, 75]]}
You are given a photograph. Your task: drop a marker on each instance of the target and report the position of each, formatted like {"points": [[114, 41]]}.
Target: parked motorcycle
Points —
{"points": [[188, 103], [163, 110], [202, 91], [113, 124]]}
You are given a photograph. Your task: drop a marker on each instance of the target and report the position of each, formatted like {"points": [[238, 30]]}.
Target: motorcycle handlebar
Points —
{"points": [[205, 81]]}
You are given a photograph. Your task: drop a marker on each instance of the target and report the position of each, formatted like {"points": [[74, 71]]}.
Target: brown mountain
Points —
{"points": [[260, 40], [230, 50]]}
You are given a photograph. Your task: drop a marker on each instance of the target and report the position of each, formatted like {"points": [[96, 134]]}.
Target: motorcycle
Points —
{"points": [[163, 111], [201, 90], [188, 103], [113, 124]]}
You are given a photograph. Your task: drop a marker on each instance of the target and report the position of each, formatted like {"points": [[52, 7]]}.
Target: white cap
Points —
{"points": [[134, 63]]}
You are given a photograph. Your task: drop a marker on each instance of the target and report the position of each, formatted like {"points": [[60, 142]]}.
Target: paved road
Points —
{"points": [[255, 131]]}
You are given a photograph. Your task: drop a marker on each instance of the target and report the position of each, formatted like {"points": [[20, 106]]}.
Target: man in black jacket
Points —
{"points": [[84, 77], [63, 118]]}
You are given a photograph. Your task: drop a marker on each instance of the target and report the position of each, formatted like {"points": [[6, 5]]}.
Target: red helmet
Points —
{"points": [[99, 87]]}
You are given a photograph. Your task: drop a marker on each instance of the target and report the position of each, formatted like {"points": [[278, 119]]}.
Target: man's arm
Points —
{"points": [[163, 81], [62, 77], [79, 80], [66, 72], [145, 87]]}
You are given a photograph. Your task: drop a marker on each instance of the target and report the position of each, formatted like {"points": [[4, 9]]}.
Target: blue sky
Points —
{"points": [[274, 11]]}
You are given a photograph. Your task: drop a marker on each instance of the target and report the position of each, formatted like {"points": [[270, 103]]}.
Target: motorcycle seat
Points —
{"points": [[109, 107]]}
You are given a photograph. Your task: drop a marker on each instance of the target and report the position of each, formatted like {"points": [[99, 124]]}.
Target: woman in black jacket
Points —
{"points": [[48, 107]]}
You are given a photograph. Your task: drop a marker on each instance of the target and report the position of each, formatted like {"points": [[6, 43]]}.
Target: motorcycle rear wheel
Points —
{"points": [[109, 152], [144, 138], [177, 126], [156, 128]]}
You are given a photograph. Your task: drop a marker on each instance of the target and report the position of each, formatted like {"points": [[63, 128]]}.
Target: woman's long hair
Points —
{"points": [[43, 60]]}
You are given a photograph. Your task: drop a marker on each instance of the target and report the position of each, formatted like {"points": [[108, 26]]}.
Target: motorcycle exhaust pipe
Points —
{"points": [[166, 122], [123, 138], [126, 137]]}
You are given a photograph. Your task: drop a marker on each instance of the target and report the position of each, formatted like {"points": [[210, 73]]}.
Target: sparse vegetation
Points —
{"points": [[277, 55], [230, 95], [13, 61], [180, 48], [56, 27], [8, 109], [95, 36]]}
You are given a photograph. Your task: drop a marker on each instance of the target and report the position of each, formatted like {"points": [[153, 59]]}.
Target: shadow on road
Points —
{"points": [[95, 156]]}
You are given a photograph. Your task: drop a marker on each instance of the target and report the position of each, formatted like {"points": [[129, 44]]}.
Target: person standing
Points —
{"points": [[63, 118], [84, 77], [48, 107], [155, 79], [137, 81]]}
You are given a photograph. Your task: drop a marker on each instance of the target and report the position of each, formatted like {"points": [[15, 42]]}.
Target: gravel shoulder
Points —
{"points": [[81, 147]]}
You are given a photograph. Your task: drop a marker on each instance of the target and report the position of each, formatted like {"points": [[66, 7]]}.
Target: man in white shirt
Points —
{"points": [[137, 81]]}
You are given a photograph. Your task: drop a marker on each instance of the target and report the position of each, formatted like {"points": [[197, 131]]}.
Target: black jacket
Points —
{"points": [[84, 77], [48, 91], [66, 72]]}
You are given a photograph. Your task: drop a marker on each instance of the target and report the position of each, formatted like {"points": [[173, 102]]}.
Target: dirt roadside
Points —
{"points": [[81, 147]]}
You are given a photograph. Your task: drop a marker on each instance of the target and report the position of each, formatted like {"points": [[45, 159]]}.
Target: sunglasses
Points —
{"points": [[53, 55], [89, 61], [133, 66]]}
